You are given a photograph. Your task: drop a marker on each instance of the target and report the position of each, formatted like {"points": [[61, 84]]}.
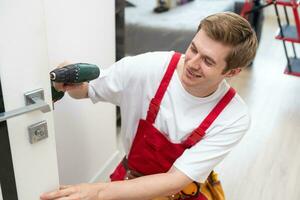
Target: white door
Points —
{"points": [[26, 169]]}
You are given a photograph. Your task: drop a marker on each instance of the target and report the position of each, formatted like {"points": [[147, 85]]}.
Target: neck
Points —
{"points": [[200, 92]]}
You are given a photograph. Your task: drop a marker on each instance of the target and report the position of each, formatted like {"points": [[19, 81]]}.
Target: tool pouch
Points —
{"points": [[211, 189]]}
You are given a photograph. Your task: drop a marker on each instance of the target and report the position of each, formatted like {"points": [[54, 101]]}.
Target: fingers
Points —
{"points": [[64, 186], [59, 87], [57, 194], [72, 197], [73, 192], [73, 86], [63, 87]]}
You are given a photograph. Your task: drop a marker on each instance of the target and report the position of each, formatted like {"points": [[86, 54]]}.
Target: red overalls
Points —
{"points": [[151, 152]]}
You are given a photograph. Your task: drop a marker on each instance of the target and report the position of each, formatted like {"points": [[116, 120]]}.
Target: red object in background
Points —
{"points": [[248, 5], [289, 33]]}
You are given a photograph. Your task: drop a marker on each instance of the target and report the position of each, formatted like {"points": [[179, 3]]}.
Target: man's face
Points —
{"points": [[204, 63]]}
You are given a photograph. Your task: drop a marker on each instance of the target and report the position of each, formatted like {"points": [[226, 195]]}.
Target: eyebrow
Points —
{"points": [[206, 56]]}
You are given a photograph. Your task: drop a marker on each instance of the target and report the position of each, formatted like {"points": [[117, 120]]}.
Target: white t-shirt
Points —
{"points": [[133, 81]]}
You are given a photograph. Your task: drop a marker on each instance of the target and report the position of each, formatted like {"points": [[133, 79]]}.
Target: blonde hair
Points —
{"points": [[233, 30]]}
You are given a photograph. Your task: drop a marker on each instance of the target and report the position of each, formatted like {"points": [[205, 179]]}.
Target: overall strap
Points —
{"points": [[155, 102], [199, 132]]}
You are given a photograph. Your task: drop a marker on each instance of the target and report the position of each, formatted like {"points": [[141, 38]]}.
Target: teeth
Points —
{"points": [[195, 75]]}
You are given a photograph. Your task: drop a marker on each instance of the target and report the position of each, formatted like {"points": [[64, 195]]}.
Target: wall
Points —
{"points": [[83, 31]]}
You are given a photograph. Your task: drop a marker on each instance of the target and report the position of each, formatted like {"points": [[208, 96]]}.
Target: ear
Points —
{"points": [[233, 72]]}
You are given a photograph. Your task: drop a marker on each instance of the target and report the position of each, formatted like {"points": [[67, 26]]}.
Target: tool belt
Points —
{"points": [[130, 174], [211, 189], [192, 190]]}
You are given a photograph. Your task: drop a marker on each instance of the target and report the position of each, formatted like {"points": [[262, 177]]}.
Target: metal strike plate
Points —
{"points": [[38, 132]]}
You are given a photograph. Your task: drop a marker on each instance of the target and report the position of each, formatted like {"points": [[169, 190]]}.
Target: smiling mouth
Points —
{"points": [[192, 74]]}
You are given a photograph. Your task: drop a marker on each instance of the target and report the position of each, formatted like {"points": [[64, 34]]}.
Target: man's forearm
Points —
{"points": [[144, 188]]}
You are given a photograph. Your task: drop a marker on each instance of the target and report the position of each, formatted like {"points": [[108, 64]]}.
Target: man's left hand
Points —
{"points": [[83, 191]]}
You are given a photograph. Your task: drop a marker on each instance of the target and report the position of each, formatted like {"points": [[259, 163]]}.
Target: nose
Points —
{"points": [[195, 62]]}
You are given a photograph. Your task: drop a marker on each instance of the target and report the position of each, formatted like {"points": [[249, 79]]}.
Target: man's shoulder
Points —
{"points": [[237, 107], [147, 64], [149, 57], [238, 112], [240, 104]]}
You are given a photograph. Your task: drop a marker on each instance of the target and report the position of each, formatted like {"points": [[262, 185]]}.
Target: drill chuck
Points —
{"points": [[75, 73], [52, 76]]}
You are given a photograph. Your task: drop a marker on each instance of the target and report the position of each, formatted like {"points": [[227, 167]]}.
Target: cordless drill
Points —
{"points": [[72, 74]]}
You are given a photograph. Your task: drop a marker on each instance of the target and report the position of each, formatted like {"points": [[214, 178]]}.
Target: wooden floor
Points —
{"points": [[266, 164]]}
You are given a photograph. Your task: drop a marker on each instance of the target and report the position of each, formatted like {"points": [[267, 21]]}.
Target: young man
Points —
{"points": [[180, 117]]}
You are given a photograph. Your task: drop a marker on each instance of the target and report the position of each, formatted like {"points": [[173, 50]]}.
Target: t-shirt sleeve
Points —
{"points": [[198, 161], [118, 82], [109, 85]]}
